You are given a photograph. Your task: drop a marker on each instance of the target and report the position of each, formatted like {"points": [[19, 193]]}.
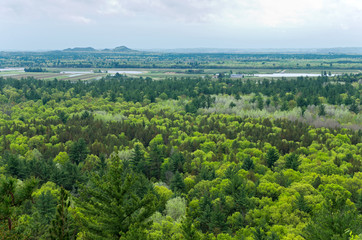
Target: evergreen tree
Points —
{"points": [[12, 195], [317, 181], [189, 232], [177, 183], [156, 157], [292, 161], [301, 204], [111, 204], [62, 227], [354, 108], [78, 151], [322, 110], [248, 164], [138, 158], [272, 156], [205, 213]]}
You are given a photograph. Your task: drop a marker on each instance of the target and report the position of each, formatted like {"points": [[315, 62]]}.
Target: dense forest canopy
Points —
{"points": [[179, 158]]}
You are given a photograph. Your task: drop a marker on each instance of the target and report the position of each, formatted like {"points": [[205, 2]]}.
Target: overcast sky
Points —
{"points": [[147, 24]]}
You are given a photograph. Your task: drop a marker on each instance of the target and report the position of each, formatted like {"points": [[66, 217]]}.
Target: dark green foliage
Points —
{"points": [[155, 159], [237, 190], [111, 204], [78, 151], [138, 160], [63, 116], [301, 204], [177, 160], [204, 217], [260, 102], [34, 69], [317, 181], [322, 110], [248, 164], [14, 166], [259, 234], [354, 108], [271, 157], [45, 205], [189, 232], [218, 218], [62, 227], [12, 196], [284, 106], [292, 161], [177, 183], [206, 173], [359, 203]]}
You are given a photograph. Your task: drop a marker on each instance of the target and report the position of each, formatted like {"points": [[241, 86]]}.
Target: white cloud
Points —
{"points": [[238, 13], [182, 22]]}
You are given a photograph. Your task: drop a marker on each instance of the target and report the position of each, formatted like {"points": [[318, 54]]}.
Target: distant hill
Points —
{"points": [[80, 49], [123, 49], [90, 49]]}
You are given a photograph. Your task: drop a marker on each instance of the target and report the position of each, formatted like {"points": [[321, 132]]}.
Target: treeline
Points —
{"points": [[301, 92], [30, 69], [64, 59]]}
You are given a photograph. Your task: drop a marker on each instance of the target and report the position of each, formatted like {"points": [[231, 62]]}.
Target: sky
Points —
{"points": [[151, 24]]}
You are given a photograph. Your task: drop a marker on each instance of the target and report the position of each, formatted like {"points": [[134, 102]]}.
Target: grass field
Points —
{"points": [[88, 74]]}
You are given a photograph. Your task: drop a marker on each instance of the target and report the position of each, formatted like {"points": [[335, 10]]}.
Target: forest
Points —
{"points": [[195, 158], [155, 60]]}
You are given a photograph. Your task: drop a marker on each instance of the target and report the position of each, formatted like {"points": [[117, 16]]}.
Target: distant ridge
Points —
{"points": [[90, 49], [80, 49], [337, 50]]}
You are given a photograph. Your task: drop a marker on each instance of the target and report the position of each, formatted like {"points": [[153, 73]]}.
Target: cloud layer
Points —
{"points": [[273, 13], [216, 15]]}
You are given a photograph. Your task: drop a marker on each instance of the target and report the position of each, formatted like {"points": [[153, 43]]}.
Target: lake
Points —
{"points": [[124, 72], [288, 75], [11, 69]]}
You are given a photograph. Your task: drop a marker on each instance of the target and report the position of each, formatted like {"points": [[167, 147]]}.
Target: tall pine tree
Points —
{"points": [[111, 204]]}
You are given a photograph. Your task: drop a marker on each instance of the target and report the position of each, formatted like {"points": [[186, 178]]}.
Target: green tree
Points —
{"points": [[13, 193], [156, 156], [138, 158], [177, 183], [322, 110], [292, 161], [248, 164], [78, 151], [336, 218], [62, 227], [111, 204], [272, 156], [189, 231]]}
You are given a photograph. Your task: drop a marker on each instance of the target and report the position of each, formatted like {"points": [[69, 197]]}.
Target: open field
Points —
{"points": [[94, 74], [92, 66]]}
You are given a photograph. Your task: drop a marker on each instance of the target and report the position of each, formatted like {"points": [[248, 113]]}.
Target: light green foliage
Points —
{"points": [[61, 158], [176, 208]]}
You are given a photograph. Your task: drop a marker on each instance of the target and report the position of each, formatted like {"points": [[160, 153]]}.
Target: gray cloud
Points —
{"points": [[268, 13], [203, 21]]}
